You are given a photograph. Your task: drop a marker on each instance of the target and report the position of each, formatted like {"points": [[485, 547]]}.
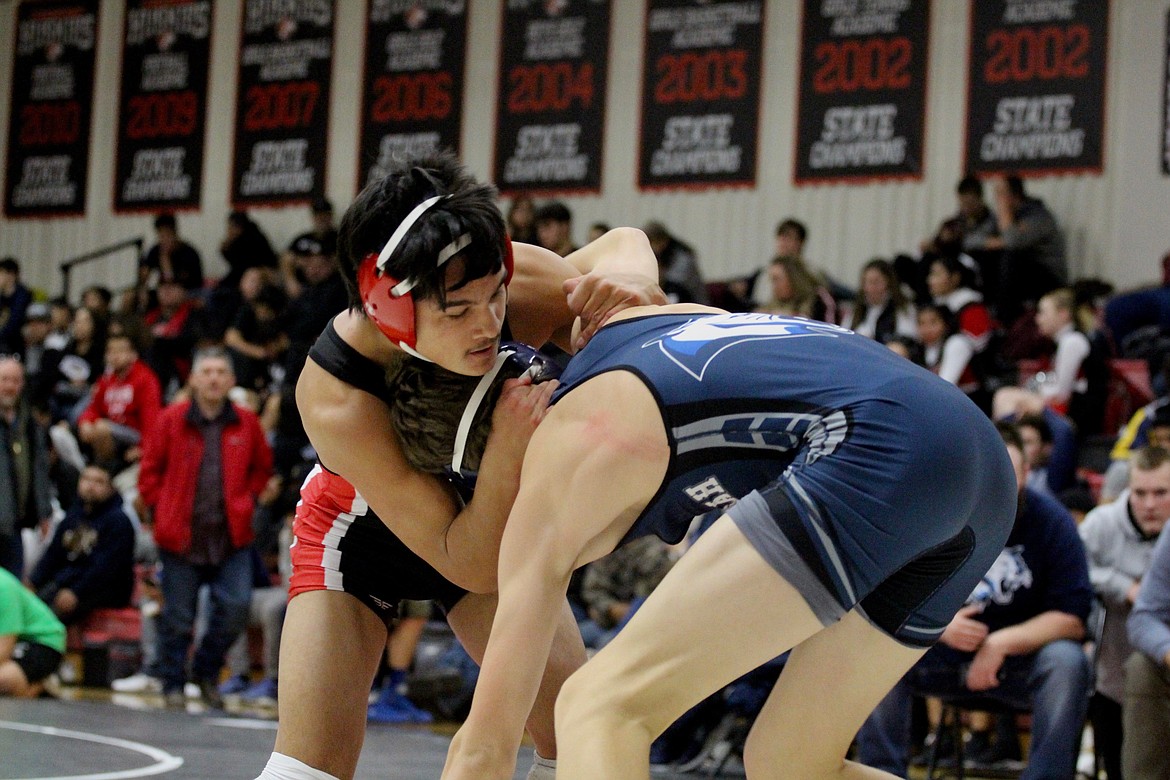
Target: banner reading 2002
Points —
{"points": [[1036, 89], [551, 116], [52, 103], [163, 104], [282, 103], [700, 93], [862, 107]]}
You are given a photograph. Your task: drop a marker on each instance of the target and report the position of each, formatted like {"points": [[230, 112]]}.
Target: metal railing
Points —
{"points": [[68, 265]]}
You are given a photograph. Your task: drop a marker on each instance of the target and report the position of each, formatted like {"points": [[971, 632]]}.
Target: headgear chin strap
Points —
{"points": [[388, 301]]}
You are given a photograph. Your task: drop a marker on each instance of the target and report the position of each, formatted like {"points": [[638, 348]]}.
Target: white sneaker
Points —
{"points": [[191, 691], [141, 682]]}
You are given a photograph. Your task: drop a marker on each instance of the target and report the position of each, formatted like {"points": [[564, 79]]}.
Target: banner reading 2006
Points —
{"points": [[413, 82], [163, 104], [1036, 89], [862, 107], [52, 100], [282, 104], [551, 116], [700, 93]]}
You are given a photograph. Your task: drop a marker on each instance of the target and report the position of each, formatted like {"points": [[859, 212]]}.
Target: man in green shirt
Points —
{"points": [[32, 639]]}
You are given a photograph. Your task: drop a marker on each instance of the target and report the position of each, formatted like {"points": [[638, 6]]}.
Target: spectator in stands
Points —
{"points": [[973, 321], [78, 366], [1050, 448], [1119, 538], [596, 231], [678, 266], [15, 299], [946, 352], [90, 561], [177, 327], [97, 299], [1017, 640], [908, 347], [24, 467], [203, 466], [393, 705], [32, 640], [1033, 261], [255, 339], [616, 585], [125, 402], [521, 219], [60, 320], [1057, 388], [171, 258], [1146, 710], [554, 228], [34, 334], [796, 292], [244, 246], [323, 232], [1154, 432], [881, 310]]}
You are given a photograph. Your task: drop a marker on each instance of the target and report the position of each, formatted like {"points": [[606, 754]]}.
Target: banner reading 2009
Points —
{"points": [[862, 107], [700, 93], [163, 104], [52, 103], [282, 103], [413, 82], [551, 116], [1036, 89]]}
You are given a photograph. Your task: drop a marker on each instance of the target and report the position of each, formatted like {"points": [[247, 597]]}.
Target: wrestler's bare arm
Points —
{"points": [[354, 436], [591, 467]]}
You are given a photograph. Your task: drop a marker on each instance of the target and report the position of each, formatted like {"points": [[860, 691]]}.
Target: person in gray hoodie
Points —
{"points": [[1147, 674], [1119, 540]]}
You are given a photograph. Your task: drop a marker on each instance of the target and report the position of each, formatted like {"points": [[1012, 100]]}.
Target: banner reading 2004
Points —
{"points": [[163, 104], [282, 104], [52, 102], [1036, 89], [551, 116], [700, 93], [862, 104]]}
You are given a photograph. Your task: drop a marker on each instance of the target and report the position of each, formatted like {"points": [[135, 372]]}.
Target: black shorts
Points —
{"points": [[37, 661]]}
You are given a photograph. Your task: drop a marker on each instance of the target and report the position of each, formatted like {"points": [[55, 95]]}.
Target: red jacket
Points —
{"points": [[171, 455], [133, 400]]}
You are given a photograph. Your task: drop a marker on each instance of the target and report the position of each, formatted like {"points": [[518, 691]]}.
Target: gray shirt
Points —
{"points": [[1149, 623]]}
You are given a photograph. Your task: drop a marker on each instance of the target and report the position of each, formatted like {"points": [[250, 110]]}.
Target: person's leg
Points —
{"points": [[720, 612], [471, 620], [1059, 684], [14, 683], [1146, 720], [12, 554], [179, 584], [100, 439], [1105, 715], [330, 648], [231, 594]]}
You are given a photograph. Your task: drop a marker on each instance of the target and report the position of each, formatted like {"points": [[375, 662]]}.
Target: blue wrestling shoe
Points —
{"points": [[397, 709]]}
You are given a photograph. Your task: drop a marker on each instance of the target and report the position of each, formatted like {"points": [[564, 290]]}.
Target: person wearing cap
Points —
{"points": [[434, 287], [15, 298], [34, 335]]}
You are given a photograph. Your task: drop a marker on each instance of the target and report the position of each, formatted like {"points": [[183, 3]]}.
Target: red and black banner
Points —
{"points": [[413, 82], [166, 55], [551, 117], [52, 104], [1166, 102], [700, 93], [862, 105], [282, 103], [1036, 86]]}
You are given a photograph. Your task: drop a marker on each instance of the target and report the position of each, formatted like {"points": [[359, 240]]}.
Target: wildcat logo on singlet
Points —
{"points": [[1007, 575], [693, 345]]}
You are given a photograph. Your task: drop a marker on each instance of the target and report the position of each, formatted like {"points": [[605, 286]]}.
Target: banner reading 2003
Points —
{"points": [[862, 105], [282, 103], [1036, 89], [551, 116], [700, 93]]}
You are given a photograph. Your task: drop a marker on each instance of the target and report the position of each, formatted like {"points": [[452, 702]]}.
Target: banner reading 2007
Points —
{"points": [[1036, 88], [413, 82], [551, 116], [862, 108], [163, 104], [700, 93], [282, 104], [52, 100]]}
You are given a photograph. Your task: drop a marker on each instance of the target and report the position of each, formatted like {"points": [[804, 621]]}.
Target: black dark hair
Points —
{"points": [[1015, 186], [1037, 422], [383, 204], [554, 211], [1010, 434], [10, 265], [794, 225], [970, 185], [165, 219], [100, 291]]}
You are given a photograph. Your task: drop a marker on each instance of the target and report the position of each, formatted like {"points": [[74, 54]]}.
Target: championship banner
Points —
{"points": [[282, 103], [1036, 86], [551, 117], [52, 104], [700, 93], [862, 105], [163, 105], [1166, 102], [413, 84]]}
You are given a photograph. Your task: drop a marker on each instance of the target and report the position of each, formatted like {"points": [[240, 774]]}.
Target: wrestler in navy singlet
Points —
{"points": [[863, 479]]}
